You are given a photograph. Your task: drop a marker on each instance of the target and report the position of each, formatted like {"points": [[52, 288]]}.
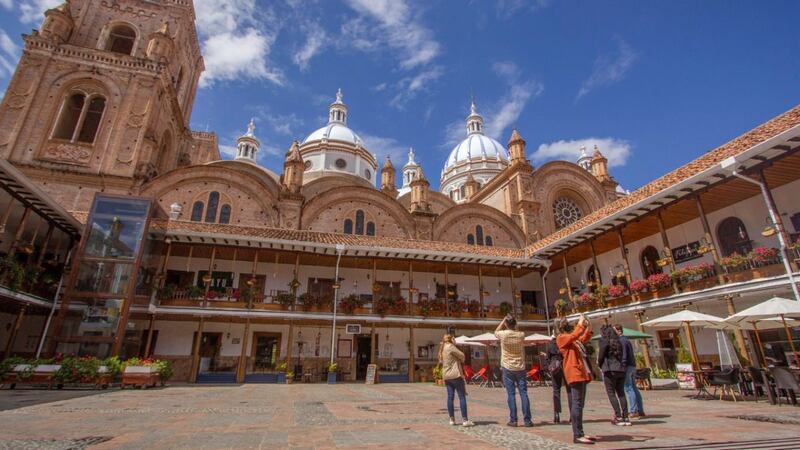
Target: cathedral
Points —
{"points": [[227, 268]]}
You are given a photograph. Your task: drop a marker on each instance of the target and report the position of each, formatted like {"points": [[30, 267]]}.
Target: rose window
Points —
{"points": [[566, 212]]}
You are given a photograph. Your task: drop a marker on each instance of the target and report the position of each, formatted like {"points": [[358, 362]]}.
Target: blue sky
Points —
{"points": [[654, 84]]}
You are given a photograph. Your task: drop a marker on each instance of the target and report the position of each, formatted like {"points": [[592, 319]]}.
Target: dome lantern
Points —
{"points": [[247, 145], [337, 111]]}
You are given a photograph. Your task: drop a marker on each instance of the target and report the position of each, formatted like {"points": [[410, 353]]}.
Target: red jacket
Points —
{"points": [[575, 369]]}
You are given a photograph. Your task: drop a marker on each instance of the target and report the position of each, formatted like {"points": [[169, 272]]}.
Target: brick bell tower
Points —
{"points": [[102, 96]]}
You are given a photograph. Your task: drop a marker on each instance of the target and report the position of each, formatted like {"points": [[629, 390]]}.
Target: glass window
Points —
{"points": [[340, 163], [359, 222], [91, 122], [370, 228], [117, 228], [489, 241], [470, 239], [733, 237], [211, 211], [479, 235], [121, 40], [565, 212], [197, 211], [103, 277], [225, 214], [348, 226], [98, 317], [649, 261], [70, 114]]}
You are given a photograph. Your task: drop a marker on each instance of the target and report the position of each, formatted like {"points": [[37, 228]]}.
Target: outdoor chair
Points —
{"points": [[496, 377], [756, 380], [480, 376], [642, 377], [534, 375], [725, 381], [468, 374], [785, 382]]}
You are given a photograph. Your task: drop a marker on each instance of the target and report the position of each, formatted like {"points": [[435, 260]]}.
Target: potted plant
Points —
{"points": [[601, 295], [285, 299], [474, 307], [659, 281], [639, 286], [166, 292], [586, 300], [616, 291], [505, 308], [734, 262], [195, 292], [294, 284], [438, 375], [350, 303], [139, 372], [289, 377], [332, 368], [307, 301], [561, 306], [281, 369]]}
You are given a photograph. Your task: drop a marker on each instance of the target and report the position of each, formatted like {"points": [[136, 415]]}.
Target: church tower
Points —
{"points": [[102, 96], [247, 145]]}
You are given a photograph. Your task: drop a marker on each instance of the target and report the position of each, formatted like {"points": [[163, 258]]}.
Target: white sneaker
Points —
{"points": [[452, 421], [467, 423]]}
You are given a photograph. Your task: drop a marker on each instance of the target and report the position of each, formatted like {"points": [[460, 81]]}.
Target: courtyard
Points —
{"points": [[367, 416]]}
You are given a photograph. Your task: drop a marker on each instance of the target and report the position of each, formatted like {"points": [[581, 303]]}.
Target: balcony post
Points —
{"points": [[47, 237], [289, 343], [517, 304], [241, 367], [210, 275], [480, 289], [597, 274], [372, 335], [645, 347], [374, 284], [625, 264], [709, 238], [162, 274], [566, 278], [411, 288], [196, 351], [6, 214], [15, 331], [667, 249], [446, 289], [737, 333], [295, 272], [149, 339], [253, 276], [778, 219], [20, 230]]}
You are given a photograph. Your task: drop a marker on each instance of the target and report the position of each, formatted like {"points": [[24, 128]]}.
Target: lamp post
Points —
{"points": [[730, 166], [336, 286]]}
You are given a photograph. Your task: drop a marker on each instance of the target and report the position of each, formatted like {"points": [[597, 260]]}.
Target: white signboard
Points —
{"points": [[352, 328]]}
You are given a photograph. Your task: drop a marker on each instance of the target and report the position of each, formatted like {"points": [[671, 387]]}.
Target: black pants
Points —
{"points": [[615, 389], [558, 381], [577, 393]]}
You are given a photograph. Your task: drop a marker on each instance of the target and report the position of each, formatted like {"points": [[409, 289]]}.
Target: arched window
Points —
{"points": [[121, 39], [348, 226], [648, 260], [470, 239], [178, 81], [213, 203], [479, 234], [360, 222], [79, 118], [733, 237], [165, 159], [370, 228], [462, 191], [225, 214], [197, 211], [489, 242], [565, 212]]}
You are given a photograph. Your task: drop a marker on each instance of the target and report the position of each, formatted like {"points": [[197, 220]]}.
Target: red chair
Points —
{"points": [[468, 373], [481, 376], [534, 375]]}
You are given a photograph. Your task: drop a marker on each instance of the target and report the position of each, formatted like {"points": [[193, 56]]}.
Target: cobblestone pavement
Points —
{"points": [[360, 416]]}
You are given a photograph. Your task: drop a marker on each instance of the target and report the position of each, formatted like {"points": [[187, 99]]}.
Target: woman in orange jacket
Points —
{"points": [[571, 342]]}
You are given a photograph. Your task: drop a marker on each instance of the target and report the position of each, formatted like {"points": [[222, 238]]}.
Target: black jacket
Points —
{"points": [[627, 350], [606, 361], [553, 352]]}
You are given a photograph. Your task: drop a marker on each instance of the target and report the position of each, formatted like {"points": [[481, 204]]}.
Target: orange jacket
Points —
{"points": [[575, 369]]}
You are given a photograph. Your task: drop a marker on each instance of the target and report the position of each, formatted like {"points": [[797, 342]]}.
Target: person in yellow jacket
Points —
{"points": [[452, 361]]}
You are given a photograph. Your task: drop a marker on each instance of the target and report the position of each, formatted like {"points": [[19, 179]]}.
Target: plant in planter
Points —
{"points": [[438, 374], [166, 292], [83, 369], [281, 369], [586, 299], [734, 262], [164, 369], [382, 306], [639, 286], [474, 307], [616, 290], [285, 299], [528, 309], [658, 281], [194, 292], [506, 308], [763, 255], [561, 306], [683, 356], [247, 294], [601, 295], [294, 284], [332, 368], [8, 365], [399, 305], [349, 304], [456, 306], [307, 301], [289, 377]]}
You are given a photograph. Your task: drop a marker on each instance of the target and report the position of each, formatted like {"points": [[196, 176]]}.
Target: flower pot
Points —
{"points": [[289, 380], [331, 377], [139, 376], [281, 378]]}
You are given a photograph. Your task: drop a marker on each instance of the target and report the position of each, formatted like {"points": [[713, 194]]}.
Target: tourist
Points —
{"points": [[611, 360], [555, 368], [635, 402], [513, 364], [570, 342], [452, 360]]}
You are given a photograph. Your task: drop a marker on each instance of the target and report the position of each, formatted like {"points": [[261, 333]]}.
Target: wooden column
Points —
{"points": [[709, 238], [253, 277], [289, 343], [241, 367], [737, 332], [778, 219], [372, 345], [162, 274], [14, 331], [48, 235], [566, 278], [410, 288], [692, 346], [645, 347], [20, 230], [597, 274], [667, 249], [210, 275], [149, 341], [446, 289], [517, 303], [294, 277], [411, 360], [480, 289], [196, 351], [374, 284], [625, 264], [6, 215]]}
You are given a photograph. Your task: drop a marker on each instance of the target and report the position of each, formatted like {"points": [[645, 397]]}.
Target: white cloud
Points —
{"points": [[32, 10], [397, 27], [409, 87], [616, 150], [7, 4], [383, 146], [227, 151], [9, 54], [508, 8], [315, 41], [237, 38], [608, 68]]}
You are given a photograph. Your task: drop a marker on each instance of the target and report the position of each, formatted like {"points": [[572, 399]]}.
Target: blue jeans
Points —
{"points": [[453, 386], [635, 402], [516, 379]]}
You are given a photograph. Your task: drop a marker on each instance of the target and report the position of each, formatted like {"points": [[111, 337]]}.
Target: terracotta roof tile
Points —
{"points": [[736, 146]]}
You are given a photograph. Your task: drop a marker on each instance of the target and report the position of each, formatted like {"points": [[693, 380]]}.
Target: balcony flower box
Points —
{"points": [[145, 376], [32, 374]]}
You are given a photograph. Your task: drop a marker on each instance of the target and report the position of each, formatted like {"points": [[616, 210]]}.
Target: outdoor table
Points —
{"points": [[700, 382]]}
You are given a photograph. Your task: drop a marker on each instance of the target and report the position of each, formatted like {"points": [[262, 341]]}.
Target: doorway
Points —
{"points": [[670, 341], [363, 350], [265, 351], [210, 344]]}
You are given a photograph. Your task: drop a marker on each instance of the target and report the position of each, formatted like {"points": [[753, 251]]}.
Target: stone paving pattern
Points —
{"points": [[361, 416]]}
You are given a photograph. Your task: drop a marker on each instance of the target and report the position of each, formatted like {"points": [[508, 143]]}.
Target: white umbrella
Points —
{"points": [[537, 338], [465, 340], [688, 318], [485, 339], [782, 308]]}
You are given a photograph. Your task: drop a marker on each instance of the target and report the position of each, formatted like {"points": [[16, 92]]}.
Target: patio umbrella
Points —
{"points": [[628, 333], [782, 308], [465, 340], [687, 319], [536, 338], [485, 339]]}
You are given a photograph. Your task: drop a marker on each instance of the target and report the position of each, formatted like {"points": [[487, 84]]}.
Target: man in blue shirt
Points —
{"points": [[635, 403]]}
